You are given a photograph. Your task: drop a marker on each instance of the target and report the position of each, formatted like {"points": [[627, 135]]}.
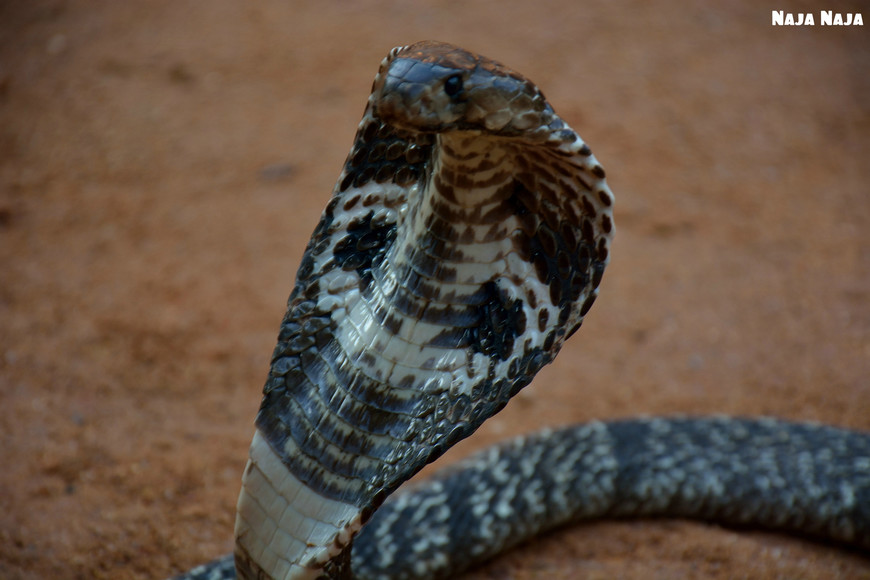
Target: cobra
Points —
{"points": [[464, 242]]}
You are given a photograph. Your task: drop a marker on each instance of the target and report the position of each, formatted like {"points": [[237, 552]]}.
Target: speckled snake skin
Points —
{"points": [[464, 243]]}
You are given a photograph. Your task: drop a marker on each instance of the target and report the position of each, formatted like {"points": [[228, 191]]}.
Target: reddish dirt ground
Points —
{"points": [[162, 165]]}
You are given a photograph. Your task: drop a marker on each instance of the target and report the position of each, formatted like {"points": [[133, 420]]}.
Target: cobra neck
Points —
{"points": [[470, 169]]}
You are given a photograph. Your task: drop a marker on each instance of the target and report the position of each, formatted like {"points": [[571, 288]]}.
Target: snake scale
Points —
{"points": [[464, 243]]}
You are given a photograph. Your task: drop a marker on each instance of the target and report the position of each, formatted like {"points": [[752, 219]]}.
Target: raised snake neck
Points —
{"points": [[464, 242]]}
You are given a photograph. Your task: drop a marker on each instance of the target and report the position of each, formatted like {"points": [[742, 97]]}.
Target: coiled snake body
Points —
{"points": [[464, 242]]}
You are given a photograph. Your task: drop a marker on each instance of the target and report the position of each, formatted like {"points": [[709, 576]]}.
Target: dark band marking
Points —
{"points": [[501, 321]]}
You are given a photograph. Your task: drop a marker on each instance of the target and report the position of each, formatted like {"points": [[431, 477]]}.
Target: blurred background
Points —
{"points": [[163, 163]]}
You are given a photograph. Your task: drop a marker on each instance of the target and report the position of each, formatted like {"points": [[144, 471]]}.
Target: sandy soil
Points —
{"points": [[162, 164]]}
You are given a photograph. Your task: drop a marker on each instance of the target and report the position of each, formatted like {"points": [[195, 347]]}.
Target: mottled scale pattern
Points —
{"points": [[464, 242], [802, 478], [808, 479]]}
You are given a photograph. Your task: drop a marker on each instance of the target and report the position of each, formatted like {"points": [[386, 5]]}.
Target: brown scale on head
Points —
{"points": [[431, 86]]}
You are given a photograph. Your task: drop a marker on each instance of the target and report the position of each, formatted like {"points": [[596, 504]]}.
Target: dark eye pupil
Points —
{"points": [[453, 85]]}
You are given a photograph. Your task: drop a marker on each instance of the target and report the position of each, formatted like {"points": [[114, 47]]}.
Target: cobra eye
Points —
{"points": [[453, 85]]}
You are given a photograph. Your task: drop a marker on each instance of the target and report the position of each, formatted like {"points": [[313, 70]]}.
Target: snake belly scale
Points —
{"points": [[464, 243]]}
